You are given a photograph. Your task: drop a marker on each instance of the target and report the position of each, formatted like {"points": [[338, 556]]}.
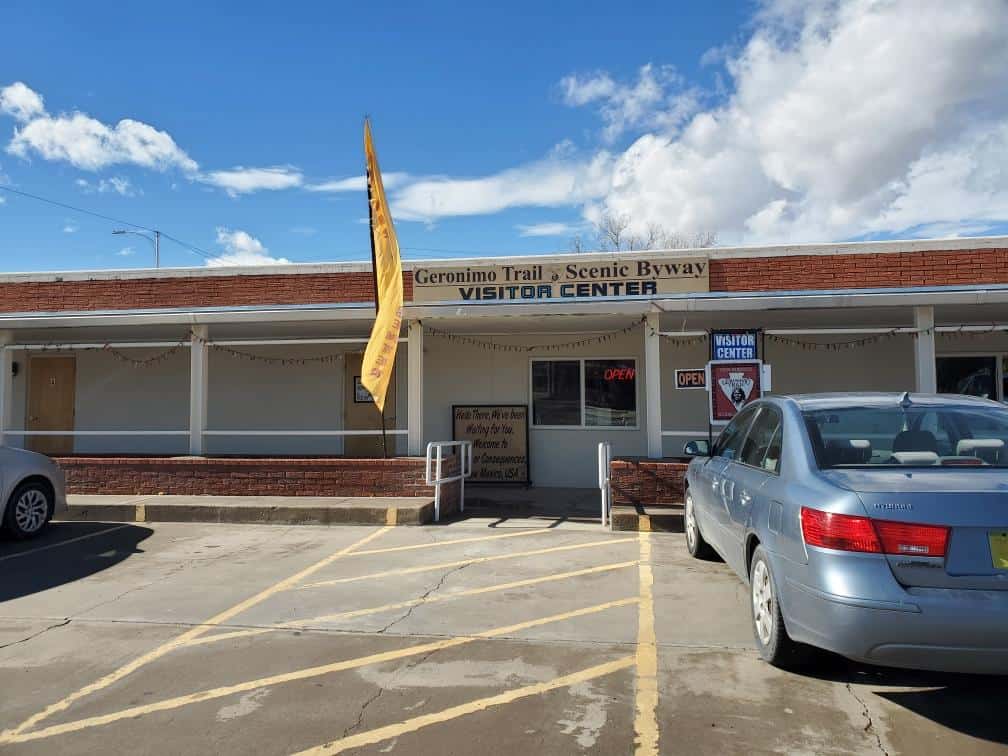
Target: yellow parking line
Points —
{"points": [[462, 562], [19, 736], [646, 660], [436, 544], [8, 736], [413, 602], [371, 737]]}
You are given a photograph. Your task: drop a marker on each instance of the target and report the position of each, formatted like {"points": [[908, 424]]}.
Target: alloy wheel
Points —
{"points": [[30, 510], [691, 526], [762, 598]]}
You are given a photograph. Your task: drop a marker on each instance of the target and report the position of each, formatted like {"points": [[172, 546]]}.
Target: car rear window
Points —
{"points": [[915, 436]]}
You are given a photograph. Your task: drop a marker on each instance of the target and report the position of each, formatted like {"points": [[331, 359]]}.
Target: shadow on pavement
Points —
{"points": [[65, 552], [969, 704]]}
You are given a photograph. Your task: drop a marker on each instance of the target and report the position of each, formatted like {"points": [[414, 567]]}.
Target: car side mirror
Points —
{"points": [[698, 448]]}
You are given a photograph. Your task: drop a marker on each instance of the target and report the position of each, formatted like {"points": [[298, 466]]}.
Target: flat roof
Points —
{"points": [[714, 253]]}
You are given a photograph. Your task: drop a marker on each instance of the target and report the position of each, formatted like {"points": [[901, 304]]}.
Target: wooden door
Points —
{"points": [[51, 392], [360, 413]]}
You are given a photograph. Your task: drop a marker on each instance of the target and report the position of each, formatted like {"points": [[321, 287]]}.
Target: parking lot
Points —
{"points": [[485, 636]]}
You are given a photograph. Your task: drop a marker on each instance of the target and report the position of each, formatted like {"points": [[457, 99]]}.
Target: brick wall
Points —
{"points": [[939, 268], [248, 476], [647, 481]]}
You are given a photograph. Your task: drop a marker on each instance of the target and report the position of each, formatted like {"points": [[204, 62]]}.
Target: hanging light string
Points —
{"points": [[684, 341], [137, 362], [321, 359], [837, 346], [496, 346]]}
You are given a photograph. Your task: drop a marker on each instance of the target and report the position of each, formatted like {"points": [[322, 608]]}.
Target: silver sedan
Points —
{"points": [[32, 491], [871, 525]]}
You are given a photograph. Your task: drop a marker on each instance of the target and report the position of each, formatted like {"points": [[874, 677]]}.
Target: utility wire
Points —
{"points": [[120, 221]]}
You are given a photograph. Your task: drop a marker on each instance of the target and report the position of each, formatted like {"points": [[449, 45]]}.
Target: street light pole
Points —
{"points": [[155, 240]]}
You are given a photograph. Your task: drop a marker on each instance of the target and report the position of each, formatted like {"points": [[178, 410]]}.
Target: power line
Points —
{"points": [[119, 221]]}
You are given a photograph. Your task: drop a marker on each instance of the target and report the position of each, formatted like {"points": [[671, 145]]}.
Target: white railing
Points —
{"points": [[604, 464], [435, 456]]}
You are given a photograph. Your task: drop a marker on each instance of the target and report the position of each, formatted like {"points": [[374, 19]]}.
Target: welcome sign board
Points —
{"points": [[499, 436], [588, 279]]}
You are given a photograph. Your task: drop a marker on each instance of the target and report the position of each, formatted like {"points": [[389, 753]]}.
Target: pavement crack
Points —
{"points": [[423, 598], [360, 714], [63, 623], [869, 728]]}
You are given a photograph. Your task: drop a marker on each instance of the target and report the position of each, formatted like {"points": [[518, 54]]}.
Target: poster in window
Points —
{"points": [[499, 436], [360, 394], [733, 384]]}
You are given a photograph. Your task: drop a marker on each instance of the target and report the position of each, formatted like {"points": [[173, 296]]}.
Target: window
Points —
{"points": [[755, 450], [976, 376], [610, 393], [730, 440], [585, 393], [556, 392]]}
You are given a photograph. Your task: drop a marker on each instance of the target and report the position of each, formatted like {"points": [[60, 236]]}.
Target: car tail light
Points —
{"points": [[912, 540], [839, 531], [829, 530]]}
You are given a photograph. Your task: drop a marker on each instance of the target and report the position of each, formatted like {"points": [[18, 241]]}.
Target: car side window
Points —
{"points": [[731, 437], [755, 450]]}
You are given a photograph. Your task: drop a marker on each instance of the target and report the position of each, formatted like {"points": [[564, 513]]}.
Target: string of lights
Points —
{"points": [[323, 359], [496, 346], [137, 362]]}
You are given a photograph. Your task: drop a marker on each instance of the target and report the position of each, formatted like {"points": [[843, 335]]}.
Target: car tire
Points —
{"points": [[29, 508], [695, 543], [772, 640]]}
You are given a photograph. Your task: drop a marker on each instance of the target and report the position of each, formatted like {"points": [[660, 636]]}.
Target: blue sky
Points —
{"points": [[506, 130]]}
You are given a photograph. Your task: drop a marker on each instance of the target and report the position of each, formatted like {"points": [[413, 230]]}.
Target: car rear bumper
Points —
{"points": [[932, 629]]}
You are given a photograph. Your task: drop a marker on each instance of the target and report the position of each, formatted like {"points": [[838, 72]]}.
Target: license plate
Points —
{"points": [[999, 550]]}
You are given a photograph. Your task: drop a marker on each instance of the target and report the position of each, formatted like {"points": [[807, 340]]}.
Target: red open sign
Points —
{"points": [[620, 374]]}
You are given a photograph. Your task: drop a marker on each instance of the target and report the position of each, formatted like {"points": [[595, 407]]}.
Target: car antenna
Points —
{"points": [[905, 401]]}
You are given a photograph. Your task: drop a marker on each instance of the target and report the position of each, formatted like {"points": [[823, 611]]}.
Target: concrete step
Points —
{"points": [[284, 510], [667, 518]]}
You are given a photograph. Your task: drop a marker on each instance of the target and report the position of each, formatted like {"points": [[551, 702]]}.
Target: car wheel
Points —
{"points": [[772, 640], [695, 543], [29, 509]]}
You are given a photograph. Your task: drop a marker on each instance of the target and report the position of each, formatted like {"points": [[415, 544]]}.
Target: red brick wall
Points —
{"points": [[940, 268], [647, 481], [226, 476]]}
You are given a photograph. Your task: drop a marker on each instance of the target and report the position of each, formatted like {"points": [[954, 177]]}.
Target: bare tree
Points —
{"points": [[613, 234]]}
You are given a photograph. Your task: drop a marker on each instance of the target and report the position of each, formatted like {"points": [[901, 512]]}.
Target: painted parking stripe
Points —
{"points": [[8, 736], [63, 543], [21, 736], [388, 732], [305, 623], [437, 544], [646, 659], [462, 563]]}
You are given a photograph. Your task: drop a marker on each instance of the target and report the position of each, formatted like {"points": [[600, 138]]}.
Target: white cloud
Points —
{"points": [[126, 252], [117, 184], [71, 228], [844, 119], [241, 248], [3, 200], [241, 180], [358, 183], [21, 102], [646, 102], [548, 229], [552, 182], [86, 142], [304, 230]]}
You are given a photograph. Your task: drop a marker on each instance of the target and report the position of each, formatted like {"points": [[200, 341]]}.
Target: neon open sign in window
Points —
{"points": [[620, 374]]}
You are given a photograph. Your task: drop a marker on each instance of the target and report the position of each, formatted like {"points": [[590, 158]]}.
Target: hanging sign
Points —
{"points": [[499, 436], [733, 345], [583, 279], [733, 384], [691, 378]]}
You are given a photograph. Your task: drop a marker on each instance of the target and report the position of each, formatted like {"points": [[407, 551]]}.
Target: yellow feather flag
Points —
{"points": [[379, 357]]}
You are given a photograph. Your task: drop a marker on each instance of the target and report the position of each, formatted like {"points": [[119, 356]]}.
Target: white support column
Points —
{"points": [[6, 386], [414, 400], [652, 385], [197, 389], [924, 351]]}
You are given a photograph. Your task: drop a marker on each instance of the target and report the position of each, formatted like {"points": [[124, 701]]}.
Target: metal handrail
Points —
{"points": [[434, 460], [604, 463]]}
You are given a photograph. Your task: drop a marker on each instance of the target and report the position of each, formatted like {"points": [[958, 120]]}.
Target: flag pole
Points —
{"points": [[374, 279]]}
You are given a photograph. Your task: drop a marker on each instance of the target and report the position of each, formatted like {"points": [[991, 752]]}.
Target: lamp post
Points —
{"points": [[155, 240]]}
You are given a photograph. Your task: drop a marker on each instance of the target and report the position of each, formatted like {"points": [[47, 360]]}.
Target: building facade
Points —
{"points": [[265, 362]]}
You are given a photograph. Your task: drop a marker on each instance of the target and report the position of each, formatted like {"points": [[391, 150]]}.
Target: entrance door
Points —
{"points": [[360, 413], [51, 391]]}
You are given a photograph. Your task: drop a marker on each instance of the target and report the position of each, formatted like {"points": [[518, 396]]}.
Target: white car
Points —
{"points": [[32, 491]]}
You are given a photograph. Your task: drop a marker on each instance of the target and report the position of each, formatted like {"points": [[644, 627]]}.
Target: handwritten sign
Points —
{"points": [[499, 435]]}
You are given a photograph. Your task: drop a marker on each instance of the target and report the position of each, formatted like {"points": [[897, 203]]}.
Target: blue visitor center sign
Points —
{"points": [[733, 345]]}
